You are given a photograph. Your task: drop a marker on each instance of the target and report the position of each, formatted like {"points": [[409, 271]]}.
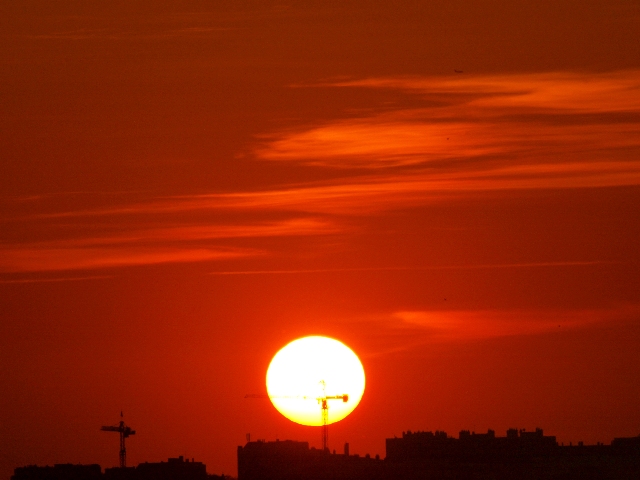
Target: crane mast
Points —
{"points": [[325, 413], [125, 432], [324, 407]]}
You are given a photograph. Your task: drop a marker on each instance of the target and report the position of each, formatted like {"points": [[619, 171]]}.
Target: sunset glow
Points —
{"points": [[451, 188], [312, 368]]}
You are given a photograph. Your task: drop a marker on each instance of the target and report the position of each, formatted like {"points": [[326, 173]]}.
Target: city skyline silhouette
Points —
{"points": [[518, 455], [449, 187]]}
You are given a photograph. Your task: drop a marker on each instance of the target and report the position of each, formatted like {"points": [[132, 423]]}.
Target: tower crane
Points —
{"points": [[325, 412], [324, 407], [125, 432]]}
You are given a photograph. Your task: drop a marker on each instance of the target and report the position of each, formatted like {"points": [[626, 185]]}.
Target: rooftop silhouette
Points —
{"points": [[174, 469], [519, 455]]}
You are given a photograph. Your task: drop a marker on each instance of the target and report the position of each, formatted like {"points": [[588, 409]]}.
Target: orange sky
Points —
{"points": [[187, 189]]}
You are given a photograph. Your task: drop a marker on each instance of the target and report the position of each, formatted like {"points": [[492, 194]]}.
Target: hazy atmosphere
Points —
{"points": [[450, 188]]}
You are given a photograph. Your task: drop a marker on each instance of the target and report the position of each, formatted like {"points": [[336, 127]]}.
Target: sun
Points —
{"points": [[309, 369]]}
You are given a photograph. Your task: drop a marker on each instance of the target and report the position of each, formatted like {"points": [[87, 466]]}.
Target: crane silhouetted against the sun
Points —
{"points": [[322, 401], [325, 412]]}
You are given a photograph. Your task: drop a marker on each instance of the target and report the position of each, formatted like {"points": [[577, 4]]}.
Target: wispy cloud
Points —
{"points": [[34, 259], [467, 325], [413, 329], [190, 233], [508, 132], [378, 192], [485, 133], [54, 279], [482, 124], [149, 246], [552, 91], [415, 268]]}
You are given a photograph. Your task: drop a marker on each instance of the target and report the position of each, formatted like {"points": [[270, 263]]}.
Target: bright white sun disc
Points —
{"points": [[309, 369]]}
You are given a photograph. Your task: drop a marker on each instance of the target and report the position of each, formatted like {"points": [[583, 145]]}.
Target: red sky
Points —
{"points": [[186, 189]]}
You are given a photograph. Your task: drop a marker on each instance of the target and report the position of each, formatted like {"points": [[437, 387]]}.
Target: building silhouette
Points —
{"points": [[520, 455], [174, 469], [60, 471], [421, 447], [291, 460]]}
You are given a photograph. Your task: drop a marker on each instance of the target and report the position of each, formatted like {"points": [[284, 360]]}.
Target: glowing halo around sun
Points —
{"points": [[311, 368]]}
